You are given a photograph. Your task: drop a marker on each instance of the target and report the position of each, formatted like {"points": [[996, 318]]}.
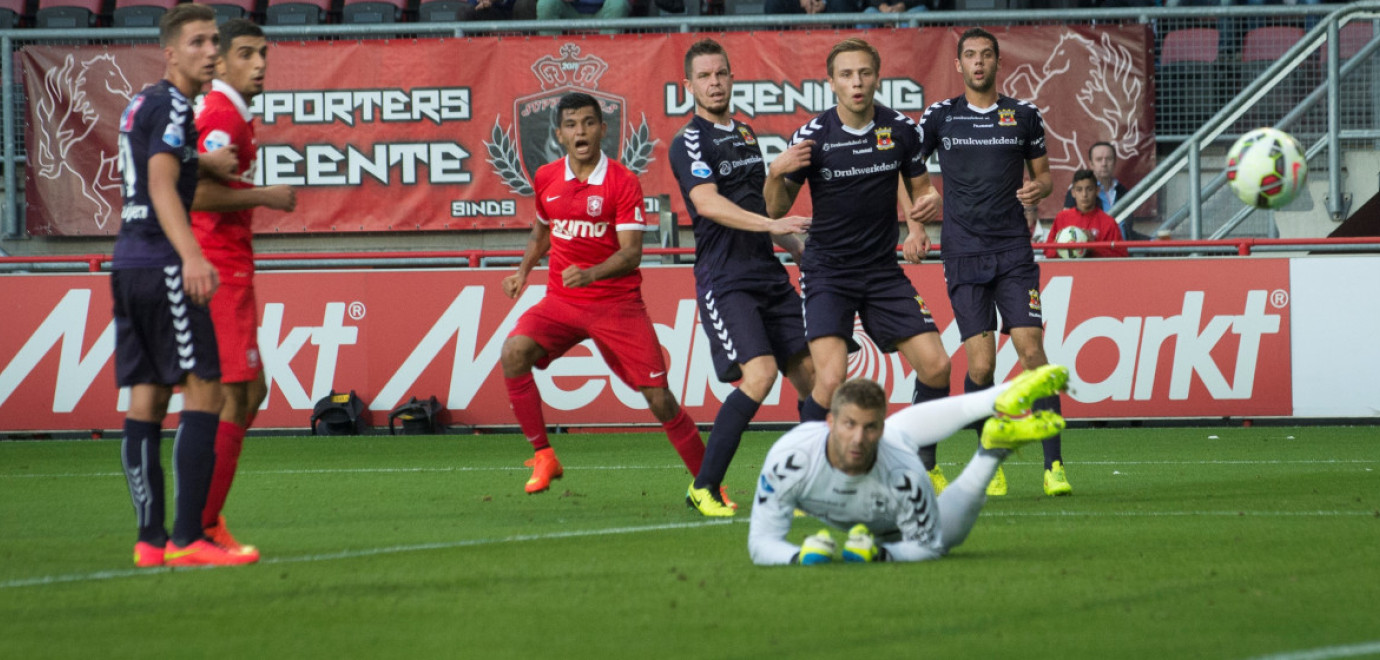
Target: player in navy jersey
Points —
{"points": [[986, 144], [161, 283], [589, 218], [854, 156], [749, 309]]}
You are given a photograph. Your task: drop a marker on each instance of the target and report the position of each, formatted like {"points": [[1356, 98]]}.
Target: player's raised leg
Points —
{"points": [[927, 357], [520, 353]]}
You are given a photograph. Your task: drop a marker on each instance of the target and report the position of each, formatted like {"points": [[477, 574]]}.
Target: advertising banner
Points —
{"points": [[1203, 338], [445, 134]]}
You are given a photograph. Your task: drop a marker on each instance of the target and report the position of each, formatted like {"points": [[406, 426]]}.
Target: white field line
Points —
{"points": [[363, 552], [1327, 652], [670, 466], [522, 538]]}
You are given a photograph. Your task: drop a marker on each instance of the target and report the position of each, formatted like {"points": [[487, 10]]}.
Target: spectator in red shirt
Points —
{"points": [[1088, 214]]}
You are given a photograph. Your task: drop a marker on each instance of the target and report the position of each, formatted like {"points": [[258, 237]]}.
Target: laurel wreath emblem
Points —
{"points": [[503, 155], [637, 149]]}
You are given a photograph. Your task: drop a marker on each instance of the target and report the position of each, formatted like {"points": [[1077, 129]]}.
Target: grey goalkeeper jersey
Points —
{"points": [[895, 499]]}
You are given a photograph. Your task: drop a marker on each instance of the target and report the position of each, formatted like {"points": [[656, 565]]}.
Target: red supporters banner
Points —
{"points": [[446, 134], [1211, 339]]}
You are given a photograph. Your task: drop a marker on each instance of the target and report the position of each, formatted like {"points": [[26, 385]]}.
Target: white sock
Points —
{"points": [[925, 424], [961, 502]]}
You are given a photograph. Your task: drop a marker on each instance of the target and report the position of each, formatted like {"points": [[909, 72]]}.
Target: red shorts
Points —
{"points": [[236, 318], [621, 330]]}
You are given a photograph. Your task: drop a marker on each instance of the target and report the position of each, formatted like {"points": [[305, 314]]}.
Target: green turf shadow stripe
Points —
{"points": [[367, 552]]}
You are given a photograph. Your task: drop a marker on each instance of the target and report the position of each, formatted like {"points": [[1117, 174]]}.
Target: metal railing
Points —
{"points": [[1297, 65]]}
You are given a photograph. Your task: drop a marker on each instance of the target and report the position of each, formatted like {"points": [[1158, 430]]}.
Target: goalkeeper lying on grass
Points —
{"points": [[859, 471]]}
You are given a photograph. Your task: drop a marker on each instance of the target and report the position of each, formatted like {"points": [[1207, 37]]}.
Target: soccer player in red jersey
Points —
{"points": [[1089, 215], [222, 220], [589, 218]]}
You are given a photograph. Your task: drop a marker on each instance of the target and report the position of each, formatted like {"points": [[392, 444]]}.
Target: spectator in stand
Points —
{"points": [[895, 6], [812, 6], [551, 10], [1086, 214], [486, 10], [1102, 160]]}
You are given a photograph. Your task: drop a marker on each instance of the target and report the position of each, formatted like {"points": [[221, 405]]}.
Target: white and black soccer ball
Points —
{"points": [[1266, 168], [1071, 234]]}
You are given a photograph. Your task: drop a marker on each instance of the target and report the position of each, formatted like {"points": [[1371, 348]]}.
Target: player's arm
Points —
{"points": [[925, 207], [216, 197], [1040, 183], [779, 191], [915, 506], [219, 163], [199, 278], [722, 210], [771, 520], [538, 244], [622, 262]]}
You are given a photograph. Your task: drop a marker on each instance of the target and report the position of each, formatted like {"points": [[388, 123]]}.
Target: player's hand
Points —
{"points": [[575, 277], [791, 224], [199, 279], [512, 284], [916, 246], [483, 4], [793, 158], [222, 163], [860, 546], [926, 208], [812, 6], [279, 197], [818, 548], [1031, 193]]}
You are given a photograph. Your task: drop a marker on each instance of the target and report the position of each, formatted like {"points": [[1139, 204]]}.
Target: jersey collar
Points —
{"points": [[596, 178], [218, 85], [727, 128]]}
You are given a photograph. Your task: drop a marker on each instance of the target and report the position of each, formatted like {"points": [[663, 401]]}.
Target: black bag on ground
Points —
{"points": [[338, 414], [417, 417]]}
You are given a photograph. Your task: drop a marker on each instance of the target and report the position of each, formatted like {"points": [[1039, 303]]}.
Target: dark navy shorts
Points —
{"points": [[885, 300], [983, 285], [160, 336], [745, 324]]}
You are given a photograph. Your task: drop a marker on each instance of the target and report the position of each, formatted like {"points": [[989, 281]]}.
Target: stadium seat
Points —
{"points": [[140, 13], [439, 11], [228, 9], [298, 12], [1260, 49], [1189, 81], [15, 13], [373, 11], [69, 14]]}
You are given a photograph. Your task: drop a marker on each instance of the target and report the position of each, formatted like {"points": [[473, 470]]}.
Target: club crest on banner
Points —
{"points": [[519, 149]]}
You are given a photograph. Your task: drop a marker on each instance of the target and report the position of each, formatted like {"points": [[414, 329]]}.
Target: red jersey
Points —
{"points": [[1099, 225], [585, 218], [227, 238]]}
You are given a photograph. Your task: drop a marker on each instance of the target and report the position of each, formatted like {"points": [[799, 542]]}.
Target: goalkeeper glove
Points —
{"points": [[861, 547], [817, 549]]}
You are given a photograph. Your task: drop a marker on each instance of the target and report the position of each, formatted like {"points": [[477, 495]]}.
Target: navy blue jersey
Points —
{"points": [[726, 259], [853, 182], [158, 120], [982, 157]]}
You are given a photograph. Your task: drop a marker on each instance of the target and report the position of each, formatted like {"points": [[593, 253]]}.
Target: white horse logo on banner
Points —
{"points": [[65, 115]]}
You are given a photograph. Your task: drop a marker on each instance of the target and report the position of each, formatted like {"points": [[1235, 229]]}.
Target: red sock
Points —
{"points": [[229, 441], [686, 439], [526, 403]]}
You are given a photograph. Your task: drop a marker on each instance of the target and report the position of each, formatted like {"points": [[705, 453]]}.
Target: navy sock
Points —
{"points": [[922, 394], [729, 425], [968, 388], [143, 463], [194, 460], [1053, 446], [811, 411]]}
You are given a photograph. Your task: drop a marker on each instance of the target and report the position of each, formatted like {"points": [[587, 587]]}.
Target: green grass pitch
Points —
{"points": [[1177, 543]]}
